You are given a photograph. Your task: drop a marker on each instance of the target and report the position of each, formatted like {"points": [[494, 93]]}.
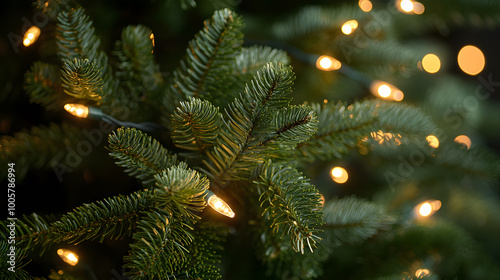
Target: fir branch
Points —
{"points": [[205, 252], [251, 59], [76, 39], [351, 220], [181, 190], [42, 82], [341, 127], [18, 260], [136, 69], [39, 147], [111, 218], [292, 203], [250, 123], [207, 62], [196, 124], [140, 154], [164, 233], [31, 231], [82, 79], [158, 245]]}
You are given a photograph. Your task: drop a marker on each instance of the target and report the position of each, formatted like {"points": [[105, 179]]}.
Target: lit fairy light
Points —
{"points": [[406, 5], [77, 110], [68, 256], [427, 208], [464, 140], [431, 63], [386, 91], [365, 5], [433, 141], [31, 36], [418, 8], [219, 205], [327, 63], [422, 272], [339, 175], [471, 60], [349, 26]]}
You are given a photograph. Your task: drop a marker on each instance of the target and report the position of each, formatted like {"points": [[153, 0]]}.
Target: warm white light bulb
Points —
{"points": [[68, 256], [77, 110], [406, 5], [433, 141], [327, 63], [220, 205], [349, 26], [31, 36], [339, 175], [427, 208]]}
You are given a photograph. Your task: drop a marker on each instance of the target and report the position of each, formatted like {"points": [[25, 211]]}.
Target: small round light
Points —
{"points": [[464, 140], [433, 141], [431, 63], [471, 60], [339, 175]]}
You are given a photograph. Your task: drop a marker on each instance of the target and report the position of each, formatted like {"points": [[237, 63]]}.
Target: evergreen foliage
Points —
{"points": [[232, 129]]}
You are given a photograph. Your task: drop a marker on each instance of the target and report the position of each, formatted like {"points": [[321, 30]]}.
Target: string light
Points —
{"points": [[77, 110], [433, 141], [365, 5], [31, 36], [464, 140], [68, 256], [83, 111], [431, 63], [327, 63], [219, 205], [471, 60], [427, 208], [349, 26], [152, 37], [339, 175], [386, 91], [420, 273], [406, 6], [381, 137]]}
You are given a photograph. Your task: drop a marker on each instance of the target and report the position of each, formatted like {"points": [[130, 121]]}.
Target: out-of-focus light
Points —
{"points": [[381, 137], [77, 110], [431, 63], [31, 36], [219, 205], [406, 5], [349, 26], [471, 60], [422, 272], [339, 175], [427, 208], [386, 91], [418, 8], [327, 63], [464, 140], [433, 141], [365, 5], [68, 256]]}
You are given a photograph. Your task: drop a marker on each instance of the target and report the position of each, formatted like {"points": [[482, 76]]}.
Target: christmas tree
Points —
{"points": [[262, 140]]}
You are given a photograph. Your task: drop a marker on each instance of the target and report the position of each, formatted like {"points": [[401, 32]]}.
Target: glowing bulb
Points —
{"points": [[418, 8], [433, 141], [68, 256], [327, 63], [427, 208], [339, 175], [406, 5], [386, 91], [365, 5], [77, 110], [422, 272], [464, 140], [219, 205], [431, 63], [349, 26], [31, 36], [471, 60]]}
